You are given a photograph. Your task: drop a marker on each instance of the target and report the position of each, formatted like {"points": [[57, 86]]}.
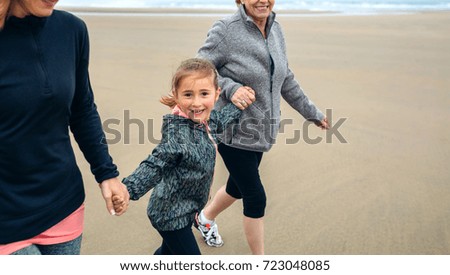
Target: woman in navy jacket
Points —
{"points": [[45, 91]]}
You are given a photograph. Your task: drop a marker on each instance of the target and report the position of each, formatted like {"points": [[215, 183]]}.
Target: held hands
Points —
{"points": [[116, 196], [243, 97], [119, 204]]}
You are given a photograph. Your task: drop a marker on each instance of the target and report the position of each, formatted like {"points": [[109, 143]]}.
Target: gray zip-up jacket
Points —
{"points": [[180, 169], [243, 57]]}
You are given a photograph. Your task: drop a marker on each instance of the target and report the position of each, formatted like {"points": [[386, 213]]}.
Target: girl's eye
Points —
{"points": [[205, 93], [187, 95]]}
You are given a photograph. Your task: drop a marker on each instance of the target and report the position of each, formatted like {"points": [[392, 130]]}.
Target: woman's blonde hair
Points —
{"points": [[187, 68], [4, 10]]}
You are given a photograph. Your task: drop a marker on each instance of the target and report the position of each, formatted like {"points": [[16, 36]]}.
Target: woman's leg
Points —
{"points": [[245, 182], [72, 247], [219, 203], [29, 250], [254, 231]]}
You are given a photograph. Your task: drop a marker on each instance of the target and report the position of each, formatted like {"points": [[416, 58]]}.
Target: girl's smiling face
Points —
{"points": [[196, 95]]}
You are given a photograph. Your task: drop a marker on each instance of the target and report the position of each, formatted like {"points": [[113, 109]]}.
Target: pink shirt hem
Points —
{"points": [[66, 230]]}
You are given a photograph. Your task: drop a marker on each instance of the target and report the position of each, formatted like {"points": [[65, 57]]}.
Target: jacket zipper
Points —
{"points": [[266, 43], [40, 57]]}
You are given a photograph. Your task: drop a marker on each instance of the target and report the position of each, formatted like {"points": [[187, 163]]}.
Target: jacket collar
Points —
{"points": [[249, 20], [30, 21], [178, 113]]}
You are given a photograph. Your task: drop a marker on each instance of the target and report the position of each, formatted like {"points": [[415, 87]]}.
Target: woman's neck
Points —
{"points": [[261, 24], [4, 8], [18, 10]]}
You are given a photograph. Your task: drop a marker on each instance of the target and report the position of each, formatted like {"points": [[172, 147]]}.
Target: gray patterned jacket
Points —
{"points": [[243, 57], [180, 169]]}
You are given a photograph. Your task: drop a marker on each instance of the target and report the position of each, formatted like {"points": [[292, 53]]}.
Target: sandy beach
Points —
{"points": [[380, 187]]}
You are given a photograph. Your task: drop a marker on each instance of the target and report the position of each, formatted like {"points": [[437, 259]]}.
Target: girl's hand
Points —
{"points": [[115, 188], [243, 97], [119, 203]]}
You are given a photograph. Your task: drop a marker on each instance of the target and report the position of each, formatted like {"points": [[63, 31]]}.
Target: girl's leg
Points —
{"points": [[72, 247], [181, 242], [163, 249]]}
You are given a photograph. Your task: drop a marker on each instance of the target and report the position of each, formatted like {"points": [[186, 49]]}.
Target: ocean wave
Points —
{"points": [[344, 6]]}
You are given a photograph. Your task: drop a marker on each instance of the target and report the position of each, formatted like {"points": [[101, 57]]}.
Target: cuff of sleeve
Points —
{"points": [[318, 117], [232, 90], [106, 176], [128, 184]]}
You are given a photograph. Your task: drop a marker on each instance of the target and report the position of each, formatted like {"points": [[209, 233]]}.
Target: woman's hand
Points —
{"points": [[243, 97], [323, 124], [114, 188]]}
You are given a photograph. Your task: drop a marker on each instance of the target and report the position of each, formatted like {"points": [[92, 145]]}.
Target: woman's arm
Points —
{"points": [[86, 127], [85, 122], [297, 99], [215, 50]]}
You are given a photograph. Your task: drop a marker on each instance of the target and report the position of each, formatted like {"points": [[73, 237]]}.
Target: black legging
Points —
{"points": [[244, 181], [178, 242]]}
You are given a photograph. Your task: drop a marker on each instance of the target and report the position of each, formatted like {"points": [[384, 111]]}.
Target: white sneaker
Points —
{"points": [[210, 233]]}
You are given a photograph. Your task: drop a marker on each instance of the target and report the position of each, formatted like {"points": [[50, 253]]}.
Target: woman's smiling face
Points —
{"points": [[259, 10]]}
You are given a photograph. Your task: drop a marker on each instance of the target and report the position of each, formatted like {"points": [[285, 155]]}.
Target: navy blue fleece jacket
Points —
{"points": [[44, 92]]}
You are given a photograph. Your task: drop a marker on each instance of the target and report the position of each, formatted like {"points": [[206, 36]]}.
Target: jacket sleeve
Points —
{"points": [[84, 120], [215, 50], [222, 119], [151, 170], [294, 95]]}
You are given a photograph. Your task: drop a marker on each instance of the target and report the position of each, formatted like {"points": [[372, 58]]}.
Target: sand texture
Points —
{"points": [[383, 188]]}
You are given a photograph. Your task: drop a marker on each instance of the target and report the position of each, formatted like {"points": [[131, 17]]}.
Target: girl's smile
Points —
{"points": [[196, 96]]}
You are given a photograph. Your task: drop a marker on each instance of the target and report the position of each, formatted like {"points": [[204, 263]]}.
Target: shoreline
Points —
{"points": [[174, 11], [109, 11]]}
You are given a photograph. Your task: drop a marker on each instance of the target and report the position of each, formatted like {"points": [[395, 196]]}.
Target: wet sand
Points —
{"points": [[382, 188]]}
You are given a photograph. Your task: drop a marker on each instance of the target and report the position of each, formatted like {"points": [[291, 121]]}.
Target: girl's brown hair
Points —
{"points": [[194, 65], [238, 2]]}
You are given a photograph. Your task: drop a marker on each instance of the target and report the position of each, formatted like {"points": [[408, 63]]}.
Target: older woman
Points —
{"points": [[249, 52], [45, 90]]}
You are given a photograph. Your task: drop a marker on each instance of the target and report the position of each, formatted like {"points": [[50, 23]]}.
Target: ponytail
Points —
{"points": [[168, 100]]}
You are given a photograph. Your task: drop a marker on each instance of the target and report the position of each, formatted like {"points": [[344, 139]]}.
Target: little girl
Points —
{"points": [[181, 167]]}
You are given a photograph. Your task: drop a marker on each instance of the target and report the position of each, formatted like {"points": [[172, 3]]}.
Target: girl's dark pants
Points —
{"points": [[178, 242]]}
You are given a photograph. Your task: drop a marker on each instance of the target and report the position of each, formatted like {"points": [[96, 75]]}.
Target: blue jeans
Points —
{"points": [[68, 248]]}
